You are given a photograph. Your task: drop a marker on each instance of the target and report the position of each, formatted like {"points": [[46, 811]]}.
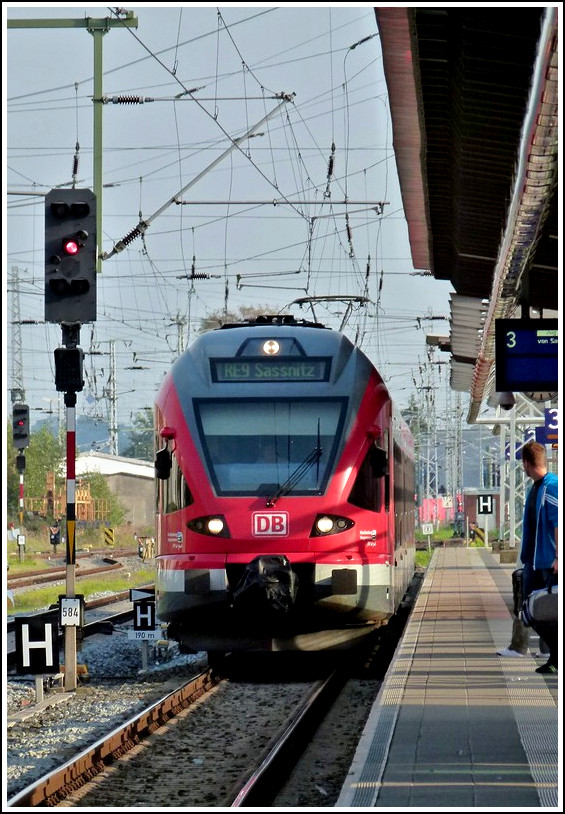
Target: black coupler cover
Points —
{"points": [[268, 585]]}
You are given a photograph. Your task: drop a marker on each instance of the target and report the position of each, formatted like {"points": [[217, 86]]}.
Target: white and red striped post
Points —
{"points": [[70, 630], [21, 499]]}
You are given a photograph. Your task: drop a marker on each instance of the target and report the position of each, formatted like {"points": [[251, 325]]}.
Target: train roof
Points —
{"points": [[295, 337], [272, 319]]}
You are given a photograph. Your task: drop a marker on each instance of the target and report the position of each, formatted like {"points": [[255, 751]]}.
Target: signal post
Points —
{"points": [[70, 300], [71, 217], [20, 436]]}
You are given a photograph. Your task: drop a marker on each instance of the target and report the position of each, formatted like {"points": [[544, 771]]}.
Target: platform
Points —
{"points": [[454, 725]]}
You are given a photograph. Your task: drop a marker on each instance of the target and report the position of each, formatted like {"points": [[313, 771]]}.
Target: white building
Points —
{"points": [[130, 479]]}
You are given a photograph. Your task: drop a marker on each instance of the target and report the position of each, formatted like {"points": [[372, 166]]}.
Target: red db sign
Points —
{"points": [[270, 524]]}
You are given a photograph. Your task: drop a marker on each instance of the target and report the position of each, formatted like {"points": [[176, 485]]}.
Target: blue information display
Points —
{"points": [[279, 369], [526, 355]]}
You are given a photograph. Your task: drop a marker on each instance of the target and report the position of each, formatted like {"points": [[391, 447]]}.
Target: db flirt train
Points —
{"points": [[285, 491]]}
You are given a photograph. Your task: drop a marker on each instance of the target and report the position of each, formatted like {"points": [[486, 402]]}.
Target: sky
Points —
{"points": [[306, 207]]}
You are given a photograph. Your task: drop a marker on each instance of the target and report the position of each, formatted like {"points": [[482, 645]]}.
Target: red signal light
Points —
{"points": [[70, 246]]}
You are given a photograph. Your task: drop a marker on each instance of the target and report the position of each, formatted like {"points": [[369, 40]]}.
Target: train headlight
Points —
{"points": [[324, 525], [330, 524], [213, 525]]}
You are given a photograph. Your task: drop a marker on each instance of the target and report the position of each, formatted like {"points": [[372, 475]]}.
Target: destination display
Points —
{"points": [[279, 369], [526, 355]]}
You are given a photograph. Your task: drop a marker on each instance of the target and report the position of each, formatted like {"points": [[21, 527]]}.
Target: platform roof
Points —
{"points": [[473, 100]]}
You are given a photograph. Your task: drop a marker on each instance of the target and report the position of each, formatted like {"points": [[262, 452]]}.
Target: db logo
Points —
{"points": [[273, 523]]}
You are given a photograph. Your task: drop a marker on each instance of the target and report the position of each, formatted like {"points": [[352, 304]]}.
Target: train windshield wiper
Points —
{"points": [[296, 476]]}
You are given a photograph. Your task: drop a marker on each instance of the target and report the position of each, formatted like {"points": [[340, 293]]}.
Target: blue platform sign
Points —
{"points": [[517, 449], [551, 425], [533, 434]]}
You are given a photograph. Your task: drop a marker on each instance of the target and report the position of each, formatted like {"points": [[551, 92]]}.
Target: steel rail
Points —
{"points": [[55, 786]]}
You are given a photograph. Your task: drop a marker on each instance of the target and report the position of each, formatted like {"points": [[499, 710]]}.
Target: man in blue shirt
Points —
{"points": [[539, 539], [539, 551]]}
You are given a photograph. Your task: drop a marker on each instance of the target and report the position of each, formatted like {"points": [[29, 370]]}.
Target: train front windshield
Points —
{"points": [[258, 447]]}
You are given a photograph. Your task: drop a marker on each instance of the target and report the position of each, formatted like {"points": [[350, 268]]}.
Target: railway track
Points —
{"points": [[213, 742], [56, 572], [57, 785], [42, 577], [148, 746], [264, 782], [231, 743]]}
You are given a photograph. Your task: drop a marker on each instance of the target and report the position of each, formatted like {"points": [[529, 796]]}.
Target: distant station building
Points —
{"points": [[130, 479]]}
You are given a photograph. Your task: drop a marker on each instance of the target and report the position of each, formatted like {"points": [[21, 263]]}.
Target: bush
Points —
{"points": [[422, 558]]}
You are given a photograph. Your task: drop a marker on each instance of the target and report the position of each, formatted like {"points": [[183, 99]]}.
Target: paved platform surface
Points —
{"points": [[455, 725]]}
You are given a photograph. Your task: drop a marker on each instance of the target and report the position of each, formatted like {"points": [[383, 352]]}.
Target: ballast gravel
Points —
{"points": [[117, 687]]}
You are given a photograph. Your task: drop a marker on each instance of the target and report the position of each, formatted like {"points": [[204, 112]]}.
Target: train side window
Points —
{"points": [[176, 492], [378, 462], [370, 487], [404, 484]]}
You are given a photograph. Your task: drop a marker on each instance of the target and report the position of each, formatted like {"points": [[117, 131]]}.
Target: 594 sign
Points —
{"points": [[71, 611]]}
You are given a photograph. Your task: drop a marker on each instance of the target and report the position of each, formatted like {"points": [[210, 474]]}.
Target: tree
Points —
{"points": [[47, 454], [12, 474], [100, 490], [44, 454], [141, 437], [220, 317]]}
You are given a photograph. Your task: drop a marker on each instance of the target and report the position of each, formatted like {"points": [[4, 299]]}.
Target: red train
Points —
{"points": [[285, 491]]}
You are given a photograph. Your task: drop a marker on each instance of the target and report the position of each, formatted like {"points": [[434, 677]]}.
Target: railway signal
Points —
{"points": [[20, 425], [70, 256], [69, 369]]}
